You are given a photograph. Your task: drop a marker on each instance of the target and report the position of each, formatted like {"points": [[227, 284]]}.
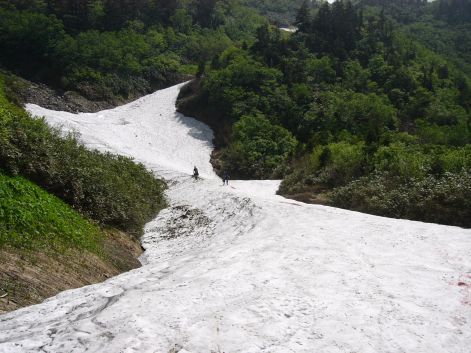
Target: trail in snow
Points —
{"points": [[239, 269]]}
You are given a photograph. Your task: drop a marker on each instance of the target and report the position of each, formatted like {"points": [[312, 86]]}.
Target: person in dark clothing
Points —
{"points": [[225, 178], [196, 174]]}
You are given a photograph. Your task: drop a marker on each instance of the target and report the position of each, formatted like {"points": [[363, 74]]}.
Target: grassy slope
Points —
{"points": [[32, 219], [47, 247]]}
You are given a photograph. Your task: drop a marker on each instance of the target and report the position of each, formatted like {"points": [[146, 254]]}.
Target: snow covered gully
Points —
{"points": [[239, 269]]}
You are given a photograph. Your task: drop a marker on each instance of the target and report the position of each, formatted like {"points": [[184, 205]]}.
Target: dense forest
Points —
{"points": [[107, 49], [352, 110], [281, 13]]}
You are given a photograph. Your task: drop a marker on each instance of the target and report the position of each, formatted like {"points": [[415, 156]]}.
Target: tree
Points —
{"points": [[303, 18], [206, 13], [163, 11], [259, 147]]}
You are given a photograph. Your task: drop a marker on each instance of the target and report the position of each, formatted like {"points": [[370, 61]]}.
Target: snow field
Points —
{"points": [[239, 269]]}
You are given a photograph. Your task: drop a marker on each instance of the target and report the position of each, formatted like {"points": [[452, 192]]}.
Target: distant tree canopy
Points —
{"points": [[279, 12], [113, 14], [117, 48], [454, 11]]}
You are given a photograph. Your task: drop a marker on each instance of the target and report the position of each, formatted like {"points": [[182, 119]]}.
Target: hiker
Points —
{"points": [[196, 174], [225, 178]]}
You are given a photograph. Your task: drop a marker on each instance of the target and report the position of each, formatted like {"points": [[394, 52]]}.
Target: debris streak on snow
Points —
{"points": [[239, 269]]}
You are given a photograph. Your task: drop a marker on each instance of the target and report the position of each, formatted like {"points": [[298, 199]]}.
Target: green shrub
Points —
{"points": [[326, 167], [445, 200], [403, 161], [259, 149], [32, 218], [109, 189], [378, 194], [341, 162], [455, 160]]}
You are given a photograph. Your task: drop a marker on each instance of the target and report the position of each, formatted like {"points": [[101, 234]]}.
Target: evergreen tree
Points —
{"points": [[206, 13], [303, 18]]}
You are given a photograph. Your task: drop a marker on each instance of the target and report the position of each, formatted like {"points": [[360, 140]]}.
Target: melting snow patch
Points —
{"points": [[239, 269]]}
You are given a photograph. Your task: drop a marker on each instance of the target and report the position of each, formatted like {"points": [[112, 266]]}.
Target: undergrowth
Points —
{"points": [[109, 189], [30, 218], [445, 200]]}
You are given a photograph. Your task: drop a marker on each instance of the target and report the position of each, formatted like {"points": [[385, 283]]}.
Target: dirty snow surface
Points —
{"points": [[238, 269]]}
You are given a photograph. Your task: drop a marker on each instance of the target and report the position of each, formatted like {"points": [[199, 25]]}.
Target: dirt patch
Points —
{"points": [[309, 197], [184, 221], [29, 277], [21, 91]]}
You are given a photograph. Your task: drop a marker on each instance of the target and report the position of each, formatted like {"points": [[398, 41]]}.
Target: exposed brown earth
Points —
{"points": [[30, 277], [306, 197]]}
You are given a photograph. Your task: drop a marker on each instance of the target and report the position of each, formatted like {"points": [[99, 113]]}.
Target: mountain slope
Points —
{"points": [[60, 205], [238, 269]]}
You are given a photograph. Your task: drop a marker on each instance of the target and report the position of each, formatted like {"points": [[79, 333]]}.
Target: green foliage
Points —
{"points": [[403, 161], [454, 11], [245, 86], [27, 39], [361, 96], [454, 160], [453, 42], [365, 115], [281, 12], [339, 163], [438, 200], [108, 64], [109, 189], [259, 149], [320, 70], [326, 167], [32, 218], [108, 50]]}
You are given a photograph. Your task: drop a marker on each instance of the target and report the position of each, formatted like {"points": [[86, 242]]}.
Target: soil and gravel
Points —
{"points": [[30, 277]]}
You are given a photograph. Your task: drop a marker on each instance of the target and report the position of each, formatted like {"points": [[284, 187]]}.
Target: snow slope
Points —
{"points": [[238, 269]]}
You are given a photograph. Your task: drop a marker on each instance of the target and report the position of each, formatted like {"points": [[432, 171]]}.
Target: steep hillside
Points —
{"points": [[110, 52], [349, 110], [47, 247], [72, 234]]}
